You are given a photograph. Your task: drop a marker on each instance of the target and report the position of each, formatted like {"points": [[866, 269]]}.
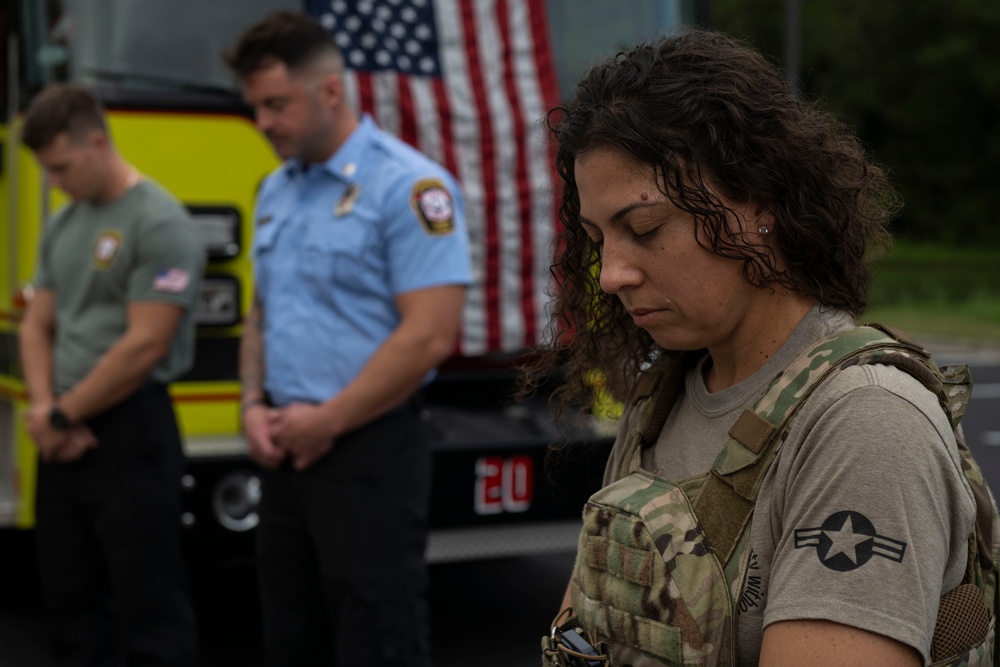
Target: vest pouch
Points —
{"points": [[965, 633], [646, 580]]}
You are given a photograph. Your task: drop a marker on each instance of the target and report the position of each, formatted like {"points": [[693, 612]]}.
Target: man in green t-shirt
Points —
{"points": [[109, 325]]}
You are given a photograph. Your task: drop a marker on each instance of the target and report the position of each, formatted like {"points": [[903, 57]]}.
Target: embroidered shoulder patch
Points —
{"points": [[432, 203], [106, 248], [171, 280]]}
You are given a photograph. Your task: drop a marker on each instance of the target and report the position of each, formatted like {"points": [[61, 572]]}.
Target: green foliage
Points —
{"points": [[977, 322], [920, 81], [916, 275], [940, 290]]}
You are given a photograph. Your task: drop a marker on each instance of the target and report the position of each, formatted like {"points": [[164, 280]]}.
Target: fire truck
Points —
{"points": [[175, 113]]}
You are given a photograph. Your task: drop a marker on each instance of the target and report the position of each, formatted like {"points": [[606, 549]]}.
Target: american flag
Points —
{"points": [[171, 280], [468, 82]]}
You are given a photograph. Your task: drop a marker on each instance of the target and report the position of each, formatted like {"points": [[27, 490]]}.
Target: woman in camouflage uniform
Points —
{"points": [[713, 262]]}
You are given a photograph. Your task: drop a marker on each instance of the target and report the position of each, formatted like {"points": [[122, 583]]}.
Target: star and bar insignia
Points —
{"points": [[847, 540]]}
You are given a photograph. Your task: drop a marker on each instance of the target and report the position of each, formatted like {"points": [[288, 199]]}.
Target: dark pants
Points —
{"points": [[113, 579], [340, 551]]}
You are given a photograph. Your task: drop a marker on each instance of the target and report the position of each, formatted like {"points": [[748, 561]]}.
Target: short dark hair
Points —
{"points": [[708, 112], [59, 108], [288, 37]]}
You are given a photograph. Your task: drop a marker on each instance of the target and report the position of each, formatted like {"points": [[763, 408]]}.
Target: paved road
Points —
{"points": [[488, 614]]}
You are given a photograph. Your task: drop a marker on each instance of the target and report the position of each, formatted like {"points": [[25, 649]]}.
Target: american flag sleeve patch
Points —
{"points": [[171, 280]]}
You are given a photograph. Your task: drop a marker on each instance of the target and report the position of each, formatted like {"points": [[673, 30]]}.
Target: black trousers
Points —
{"points": [[340, 551], [113, 578]]}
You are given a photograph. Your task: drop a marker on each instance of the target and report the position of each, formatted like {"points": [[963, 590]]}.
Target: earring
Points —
{"points": [[763, 229]]}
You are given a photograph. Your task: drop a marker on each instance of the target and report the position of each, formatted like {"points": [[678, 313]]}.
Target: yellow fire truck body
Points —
{"points": [[491, 495]]}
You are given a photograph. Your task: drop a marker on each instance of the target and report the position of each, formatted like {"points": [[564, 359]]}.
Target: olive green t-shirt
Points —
{"points": [[99, 258]]}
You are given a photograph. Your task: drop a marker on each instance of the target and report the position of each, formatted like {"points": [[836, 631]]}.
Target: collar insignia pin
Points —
{"points": [[346, 203]]}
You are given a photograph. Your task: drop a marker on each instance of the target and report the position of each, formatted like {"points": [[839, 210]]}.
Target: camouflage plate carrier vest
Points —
{"points": [[660, 565]]}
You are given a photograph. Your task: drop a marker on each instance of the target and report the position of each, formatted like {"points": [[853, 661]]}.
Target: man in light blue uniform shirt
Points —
{"points": [[336, 242], [361, 263]]}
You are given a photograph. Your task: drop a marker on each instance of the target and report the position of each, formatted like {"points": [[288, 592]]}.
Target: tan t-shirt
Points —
{"points": [[871, 453]]}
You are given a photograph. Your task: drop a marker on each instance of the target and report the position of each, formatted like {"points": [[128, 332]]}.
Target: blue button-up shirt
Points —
{"points": [[335, 243]]}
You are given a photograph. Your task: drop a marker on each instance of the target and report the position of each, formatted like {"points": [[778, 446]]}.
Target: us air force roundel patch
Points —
{"points": [[847, 540], [432, 203]]}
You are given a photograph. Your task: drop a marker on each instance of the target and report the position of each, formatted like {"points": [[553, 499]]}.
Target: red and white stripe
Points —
{"points": [[483, 122]]}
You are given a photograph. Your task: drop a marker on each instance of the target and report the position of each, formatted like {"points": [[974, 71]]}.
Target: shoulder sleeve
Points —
{"points": [[170, 260], [43, 270], [871, 510], [265, 209], [426, 233], [269, 185]]}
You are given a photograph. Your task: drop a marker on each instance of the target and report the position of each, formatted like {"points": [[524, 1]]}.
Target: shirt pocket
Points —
{"points": [[337, 254]]}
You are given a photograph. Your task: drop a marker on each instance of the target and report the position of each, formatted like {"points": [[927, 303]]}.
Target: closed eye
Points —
{"points": [[644, 234]]}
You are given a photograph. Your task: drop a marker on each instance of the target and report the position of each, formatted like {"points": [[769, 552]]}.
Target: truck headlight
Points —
{"points": [[219, 227], [218, 301]]}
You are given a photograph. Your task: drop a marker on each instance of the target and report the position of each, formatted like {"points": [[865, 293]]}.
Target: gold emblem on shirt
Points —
{"points": [[346, 203], [432, 203], [106, 248]]}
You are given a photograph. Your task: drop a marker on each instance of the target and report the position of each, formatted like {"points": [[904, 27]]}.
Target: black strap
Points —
{"points": [[665, 395]]}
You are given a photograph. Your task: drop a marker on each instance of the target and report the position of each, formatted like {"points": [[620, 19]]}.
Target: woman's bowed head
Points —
{"points": [[703, 206]]}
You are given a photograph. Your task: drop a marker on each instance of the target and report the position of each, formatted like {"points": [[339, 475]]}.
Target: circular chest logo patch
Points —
{"points": [[432, 203], [106, 248]]}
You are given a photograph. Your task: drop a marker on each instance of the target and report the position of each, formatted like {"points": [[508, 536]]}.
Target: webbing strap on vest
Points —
{"points": [[727, 498], [667, 388], [723, 511]]}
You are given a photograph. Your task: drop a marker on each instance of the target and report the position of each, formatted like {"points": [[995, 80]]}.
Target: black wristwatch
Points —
{"points": [[58, 419]]}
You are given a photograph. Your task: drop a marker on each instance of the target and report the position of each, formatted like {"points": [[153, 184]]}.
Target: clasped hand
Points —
{"points": [[300, 431], [57, 445]]}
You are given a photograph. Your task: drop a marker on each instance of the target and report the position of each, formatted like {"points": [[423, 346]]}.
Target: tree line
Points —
{"points": [[920, 81]]}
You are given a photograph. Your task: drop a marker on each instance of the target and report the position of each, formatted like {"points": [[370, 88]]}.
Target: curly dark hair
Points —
{"points": [[710, 114]]}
